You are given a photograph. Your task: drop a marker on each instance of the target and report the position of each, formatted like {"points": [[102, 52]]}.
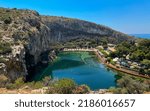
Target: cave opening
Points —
{"points": [[32, 67]]}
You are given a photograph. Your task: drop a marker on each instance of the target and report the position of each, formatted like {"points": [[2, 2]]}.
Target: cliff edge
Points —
{"points": [[25, 36]]}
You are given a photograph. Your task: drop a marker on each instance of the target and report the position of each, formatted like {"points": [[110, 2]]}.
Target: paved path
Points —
{"points": [[79, 49]]}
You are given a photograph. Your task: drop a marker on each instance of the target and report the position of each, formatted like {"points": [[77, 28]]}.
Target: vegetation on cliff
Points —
{"points": [[131, 85], [62, 86], [79, 29], [138, 52], [25, 36], [5, 47]]}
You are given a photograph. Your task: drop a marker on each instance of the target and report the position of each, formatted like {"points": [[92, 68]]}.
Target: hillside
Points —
{"points": [[73, 28], [26, 37]]}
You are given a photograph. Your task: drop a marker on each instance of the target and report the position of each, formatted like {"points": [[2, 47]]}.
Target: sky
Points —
{"points": [[128, 16]]}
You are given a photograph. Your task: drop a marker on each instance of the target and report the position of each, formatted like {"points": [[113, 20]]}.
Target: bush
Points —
{"points": [[5, 48], [38, 85], [14, 8], [30, 84], [112, 62], [115, 90], [103, 51], [47, 81], [3, 80], [127, 85], [35, 85], [19, 82], [7, 19], [64, 86], [10, 86], [83, 89], [2, 60]]}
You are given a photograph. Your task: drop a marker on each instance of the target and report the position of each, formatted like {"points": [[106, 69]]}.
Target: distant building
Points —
{"points": [[100, 47], [127, 57], [111, 45], [111, 49], [116, 59]]}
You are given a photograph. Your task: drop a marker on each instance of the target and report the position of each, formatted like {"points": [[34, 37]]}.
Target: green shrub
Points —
{"points": [[30, 84], [112, 62], [62, 86], [103, 51], [7, 19], [2, 60], [19, 82], [128, 85], [5, 48], [3, 80], [10, 86], [38, 85], [47, 81], [83, 89]]}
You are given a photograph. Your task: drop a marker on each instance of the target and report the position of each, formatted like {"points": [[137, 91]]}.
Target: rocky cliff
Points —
{"points": [[65, 29], [25, 36]]}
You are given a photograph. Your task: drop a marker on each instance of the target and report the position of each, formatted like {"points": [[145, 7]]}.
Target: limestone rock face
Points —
{"points": [[25, 35], [65, 29]]}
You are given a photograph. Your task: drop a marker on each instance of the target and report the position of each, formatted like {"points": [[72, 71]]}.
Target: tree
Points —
{"points": [[146, 63], [144, 42], [131, 86], [113, 54], [137, 55], [105, 44], [141, 71]]}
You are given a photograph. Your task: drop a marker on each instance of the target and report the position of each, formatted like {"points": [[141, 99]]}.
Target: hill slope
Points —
{"points": [[73, 28], [25, 36]]}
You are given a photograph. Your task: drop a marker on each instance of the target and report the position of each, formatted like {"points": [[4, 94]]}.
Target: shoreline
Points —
{"points": [[103, 60]]}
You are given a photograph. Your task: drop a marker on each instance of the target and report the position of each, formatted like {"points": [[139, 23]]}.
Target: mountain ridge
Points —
{"points": [[26, 36]]}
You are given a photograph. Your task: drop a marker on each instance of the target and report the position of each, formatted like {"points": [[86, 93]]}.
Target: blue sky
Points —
{"points": [[128, 16]]}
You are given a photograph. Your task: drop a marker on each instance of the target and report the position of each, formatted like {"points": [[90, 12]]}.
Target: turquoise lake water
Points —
{"points": [[82, 67]]}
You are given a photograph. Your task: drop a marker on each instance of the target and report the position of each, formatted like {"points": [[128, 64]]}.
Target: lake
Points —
{"points": [[82, 67]]}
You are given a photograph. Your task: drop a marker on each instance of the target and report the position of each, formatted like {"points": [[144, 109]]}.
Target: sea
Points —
{"points": [[145, 36]]}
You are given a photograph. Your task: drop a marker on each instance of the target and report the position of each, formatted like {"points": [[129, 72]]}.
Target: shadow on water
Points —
{"points": [[82, 67], [65, 64], [118, 75], [42, 71]]}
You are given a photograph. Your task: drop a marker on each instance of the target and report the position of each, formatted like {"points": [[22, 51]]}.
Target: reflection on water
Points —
{"points": [[82, 67]]}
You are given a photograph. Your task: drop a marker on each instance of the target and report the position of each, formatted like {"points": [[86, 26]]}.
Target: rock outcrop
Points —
{"points": [[25, 36]]}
